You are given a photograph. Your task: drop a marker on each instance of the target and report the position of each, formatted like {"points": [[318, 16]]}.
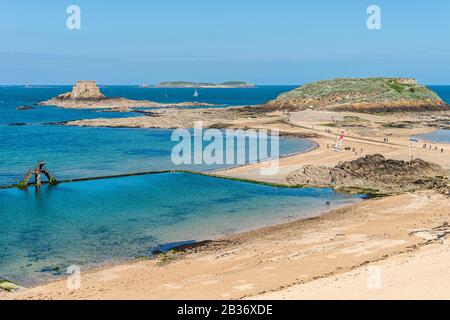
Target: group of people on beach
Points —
{"points": [[430, 147]]}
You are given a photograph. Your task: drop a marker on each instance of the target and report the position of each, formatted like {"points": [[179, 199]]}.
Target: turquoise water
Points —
{"points": [[72, 152], [94, 222]]}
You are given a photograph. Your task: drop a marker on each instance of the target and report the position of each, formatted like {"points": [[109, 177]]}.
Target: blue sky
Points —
{"points": [[264, 42]]}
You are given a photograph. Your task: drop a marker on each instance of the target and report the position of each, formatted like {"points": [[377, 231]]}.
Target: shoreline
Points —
{"points": [[185, 247], [109, 282]]}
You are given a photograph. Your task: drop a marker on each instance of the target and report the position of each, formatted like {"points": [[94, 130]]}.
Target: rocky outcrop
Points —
{"points": [[84, 94], [374, 174], [22, 108], [372, 95]]}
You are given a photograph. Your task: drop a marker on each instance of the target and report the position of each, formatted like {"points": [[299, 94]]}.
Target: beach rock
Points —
{"points": [[119, 109], [311, 175], [22, 108], [374, 174]]}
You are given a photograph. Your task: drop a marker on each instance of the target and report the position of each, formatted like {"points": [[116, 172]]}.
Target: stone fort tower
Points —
{"points": [[86, 89]]}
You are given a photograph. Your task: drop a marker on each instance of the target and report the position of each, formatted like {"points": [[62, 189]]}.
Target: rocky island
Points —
{"points": [[86, 95], [371, 95], [190, 84]]}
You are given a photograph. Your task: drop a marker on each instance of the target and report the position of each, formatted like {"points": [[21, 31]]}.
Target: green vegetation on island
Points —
{"points": [[191, 84], [365, 95]]}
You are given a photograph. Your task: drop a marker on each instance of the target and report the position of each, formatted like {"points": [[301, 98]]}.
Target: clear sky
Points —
{"points": [[264, 42]]}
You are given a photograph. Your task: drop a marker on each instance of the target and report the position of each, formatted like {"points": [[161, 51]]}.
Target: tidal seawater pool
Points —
{"points": [[96, 222]]}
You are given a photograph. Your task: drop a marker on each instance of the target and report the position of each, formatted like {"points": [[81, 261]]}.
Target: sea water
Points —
{"points": [[80, 152], [439, 136], [95, 222], [76, 152]]}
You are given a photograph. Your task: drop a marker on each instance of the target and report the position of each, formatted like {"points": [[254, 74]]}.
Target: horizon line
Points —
{"points": [[150, 86]]}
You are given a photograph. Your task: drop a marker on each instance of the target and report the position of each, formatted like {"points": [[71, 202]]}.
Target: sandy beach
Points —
{"points": [[272, 260], [327, 257], [420, 275]]}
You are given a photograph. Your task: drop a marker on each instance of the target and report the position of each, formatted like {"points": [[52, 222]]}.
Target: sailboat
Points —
{"points": [[196, 93]]}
